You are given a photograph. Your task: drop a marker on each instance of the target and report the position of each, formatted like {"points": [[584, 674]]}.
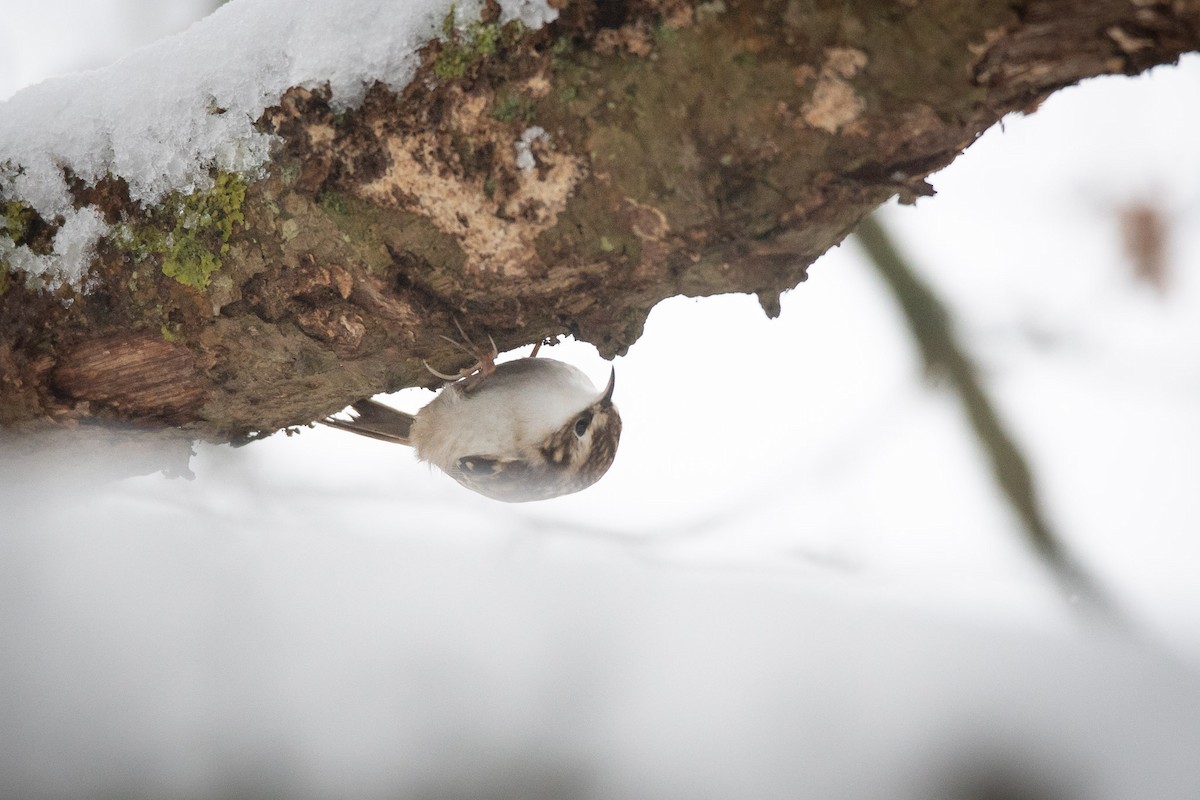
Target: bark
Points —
{"points": [[689, 149]]}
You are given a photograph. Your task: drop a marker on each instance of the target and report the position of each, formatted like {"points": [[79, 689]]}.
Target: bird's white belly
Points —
{"points": [[509, 413]]}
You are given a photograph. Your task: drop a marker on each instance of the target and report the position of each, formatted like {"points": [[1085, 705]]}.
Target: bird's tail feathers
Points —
{"points": [[376, 421]]}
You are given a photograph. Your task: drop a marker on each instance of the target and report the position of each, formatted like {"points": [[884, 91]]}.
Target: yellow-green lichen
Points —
{"points": [[511, 106], [17, 217], [195, 231], [665, 34], [560, 51], [289, 172], [462, 47], [333, 203], [7, 230]]}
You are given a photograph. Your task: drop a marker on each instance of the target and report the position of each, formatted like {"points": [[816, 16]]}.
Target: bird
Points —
{"points": [[528, 429]]}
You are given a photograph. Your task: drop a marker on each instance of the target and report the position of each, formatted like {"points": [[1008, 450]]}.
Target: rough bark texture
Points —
{"points": [[690, 149]]}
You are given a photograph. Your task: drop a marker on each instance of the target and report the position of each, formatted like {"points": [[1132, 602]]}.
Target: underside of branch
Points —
{"points": [[557, 181]]}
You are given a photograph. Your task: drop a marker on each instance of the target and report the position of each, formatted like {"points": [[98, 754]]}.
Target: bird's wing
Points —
{"points": [[377, 421], [506, 479]]}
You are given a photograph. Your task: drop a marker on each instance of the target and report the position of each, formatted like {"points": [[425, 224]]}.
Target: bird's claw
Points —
{"points": [[485, 362]]}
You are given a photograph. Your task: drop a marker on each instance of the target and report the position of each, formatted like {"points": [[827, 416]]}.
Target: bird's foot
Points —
{"points": [[485, 361], [549, 341]]}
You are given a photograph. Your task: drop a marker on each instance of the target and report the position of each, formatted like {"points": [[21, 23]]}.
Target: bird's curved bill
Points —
{"points": [[606, 399]]}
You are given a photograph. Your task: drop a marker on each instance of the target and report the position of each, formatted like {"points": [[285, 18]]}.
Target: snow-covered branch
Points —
{"points": [[251, 224]]}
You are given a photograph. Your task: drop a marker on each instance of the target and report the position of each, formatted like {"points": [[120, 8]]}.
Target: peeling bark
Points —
{"points": [[687, 149]]}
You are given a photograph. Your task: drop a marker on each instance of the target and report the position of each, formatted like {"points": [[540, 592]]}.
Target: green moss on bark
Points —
{"points": [[462, 47], [190, 233]]}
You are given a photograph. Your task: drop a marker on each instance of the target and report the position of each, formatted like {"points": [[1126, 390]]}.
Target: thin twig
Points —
{"points": [[944, 355]]}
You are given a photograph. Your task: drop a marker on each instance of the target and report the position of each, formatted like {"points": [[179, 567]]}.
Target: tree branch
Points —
{"points": [[945, 356], [559, 181]]}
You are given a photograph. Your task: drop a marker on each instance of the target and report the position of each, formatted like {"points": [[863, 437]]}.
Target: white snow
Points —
{"points": [[153, 117], [532, 13], [524, 146], [72, 250]]}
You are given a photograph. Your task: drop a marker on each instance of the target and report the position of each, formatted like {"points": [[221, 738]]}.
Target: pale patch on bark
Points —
{"points": [[635, 39], [495, 228], [650, 225], [1128, 42], [322, 136], [538, 86], [834, 103]]}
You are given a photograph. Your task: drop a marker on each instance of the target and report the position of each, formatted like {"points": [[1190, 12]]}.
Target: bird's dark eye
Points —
{"points": [[581, 424]]}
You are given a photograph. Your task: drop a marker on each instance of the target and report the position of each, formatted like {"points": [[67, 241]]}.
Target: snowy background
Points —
{"points": [[803, 582]]}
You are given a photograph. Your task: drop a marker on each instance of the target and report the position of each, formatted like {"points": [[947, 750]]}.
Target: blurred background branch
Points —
{"points": [[946, 357]]}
